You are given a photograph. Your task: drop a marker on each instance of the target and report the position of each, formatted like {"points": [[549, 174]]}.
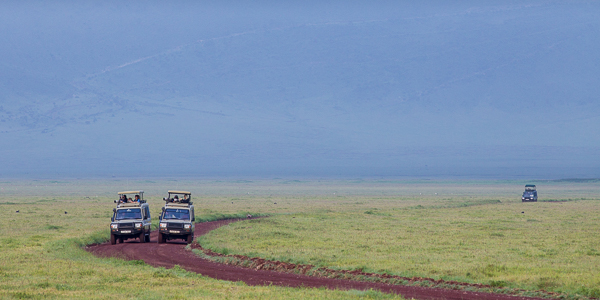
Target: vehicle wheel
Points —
{"points": [[113, 239], [142, 237], [147, 237], [190, 238], [161, 238]]}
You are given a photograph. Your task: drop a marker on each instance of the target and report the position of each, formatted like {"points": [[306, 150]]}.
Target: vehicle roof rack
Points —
{"points": [[130, 192], [179, 192]]}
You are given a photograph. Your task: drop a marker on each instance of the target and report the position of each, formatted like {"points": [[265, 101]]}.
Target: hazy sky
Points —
{"points": [[494, 89]]}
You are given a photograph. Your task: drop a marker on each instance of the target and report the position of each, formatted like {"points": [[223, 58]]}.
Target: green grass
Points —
{"points": [[470, 231], [41, 254], [457, 231], [218, 216]]}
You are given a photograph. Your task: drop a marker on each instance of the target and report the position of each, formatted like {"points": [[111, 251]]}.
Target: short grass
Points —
{"points": [[471, 231], [41, 253], [478, 232]]}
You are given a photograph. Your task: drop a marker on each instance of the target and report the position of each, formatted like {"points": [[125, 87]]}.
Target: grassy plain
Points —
{"points": [[41, 253], [477, 231], [471, 231]]}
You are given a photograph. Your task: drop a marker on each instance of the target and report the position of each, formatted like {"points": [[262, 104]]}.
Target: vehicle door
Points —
{"points": [[192, 218], [147, 221]]}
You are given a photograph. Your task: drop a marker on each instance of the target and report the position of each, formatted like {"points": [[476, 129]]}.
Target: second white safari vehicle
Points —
{"points": [[177, 218]]}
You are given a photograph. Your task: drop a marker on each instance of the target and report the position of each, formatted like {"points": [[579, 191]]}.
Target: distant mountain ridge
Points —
{"points": [[389, 90]]}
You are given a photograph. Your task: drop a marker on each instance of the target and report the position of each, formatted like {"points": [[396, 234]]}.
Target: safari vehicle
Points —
{"points": [[177, 218], [130, 220], [530, 194]]}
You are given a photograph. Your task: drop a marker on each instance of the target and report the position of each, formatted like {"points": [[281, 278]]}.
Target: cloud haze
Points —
{"points": [[148, 88]]}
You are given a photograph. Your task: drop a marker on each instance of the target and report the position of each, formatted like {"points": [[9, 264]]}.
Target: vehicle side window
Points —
{"points": [[147, 213]]}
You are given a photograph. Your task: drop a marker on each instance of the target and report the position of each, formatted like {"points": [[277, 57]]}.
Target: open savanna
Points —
{"points": [[41, 245], [468, 231]]}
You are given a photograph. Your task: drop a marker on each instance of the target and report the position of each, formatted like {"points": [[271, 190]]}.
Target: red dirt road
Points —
{"points": [[173, 253]]}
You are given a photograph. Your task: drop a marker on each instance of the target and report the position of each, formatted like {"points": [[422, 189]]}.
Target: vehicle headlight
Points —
{"points": [[163, 225], [114, 226], [138, 225], [187, 226]]}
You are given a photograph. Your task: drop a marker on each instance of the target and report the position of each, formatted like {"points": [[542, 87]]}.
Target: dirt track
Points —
{"points": [[174, 253]]}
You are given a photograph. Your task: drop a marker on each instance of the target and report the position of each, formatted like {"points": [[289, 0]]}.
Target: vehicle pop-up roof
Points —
{"points": [[139, 193], [530, 187], [185, 193], [179, 192]]}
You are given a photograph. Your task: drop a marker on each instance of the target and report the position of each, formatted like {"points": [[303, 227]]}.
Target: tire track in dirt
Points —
{"points": [[174, 253]]}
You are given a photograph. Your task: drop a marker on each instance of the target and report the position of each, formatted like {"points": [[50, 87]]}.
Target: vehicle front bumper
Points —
{"points": [[175, 231], [126, 231]]}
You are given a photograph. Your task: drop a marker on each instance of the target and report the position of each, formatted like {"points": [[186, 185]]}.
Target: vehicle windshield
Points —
{"points": [[130, 213], [176, 214]]}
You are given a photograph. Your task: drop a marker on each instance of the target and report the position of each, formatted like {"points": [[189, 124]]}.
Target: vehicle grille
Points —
{"points": [[175, 225], [125, 225]]}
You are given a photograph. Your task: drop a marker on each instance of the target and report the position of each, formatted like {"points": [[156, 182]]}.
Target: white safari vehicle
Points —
{"points": [[131, 218], [177, 218], [530, 194]]}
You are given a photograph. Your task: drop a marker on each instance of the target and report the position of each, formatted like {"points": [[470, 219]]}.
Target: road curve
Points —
{"points": [[173, 253]]}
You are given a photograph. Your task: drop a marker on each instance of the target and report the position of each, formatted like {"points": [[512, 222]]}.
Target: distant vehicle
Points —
{"points": [[130, 220], [177, 218], [530, 194]]}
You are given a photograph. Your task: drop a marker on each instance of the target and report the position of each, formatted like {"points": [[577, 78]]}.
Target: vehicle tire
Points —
{"points": [[161, 238], [190, 238], [147, 237], [113, 239], [142, 237]]}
